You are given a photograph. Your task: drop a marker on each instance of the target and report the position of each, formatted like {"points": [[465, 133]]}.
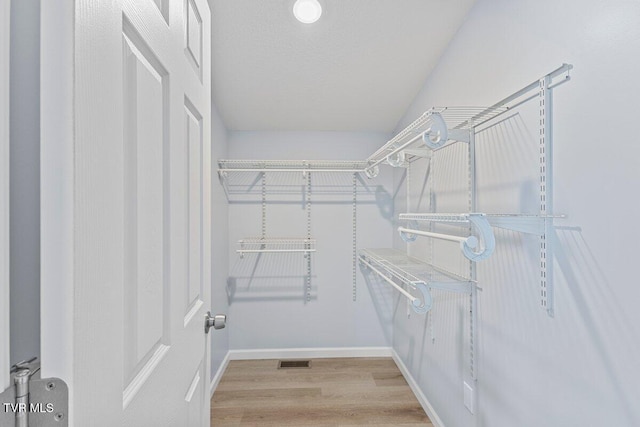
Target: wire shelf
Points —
{"points": [[520, 222], [468, 117], [227, 165], [275, 245], [435, 217], [241, 185], [412, 271], [439, 122], [392, 266]]}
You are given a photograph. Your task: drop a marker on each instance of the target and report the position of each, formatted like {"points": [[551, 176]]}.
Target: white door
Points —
{"points": [[126, 172], [4, 194]]}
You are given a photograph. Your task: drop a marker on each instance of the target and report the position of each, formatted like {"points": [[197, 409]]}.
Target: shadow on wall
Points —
{"points": [[385, 203], [596, 315], [423, 200], [610, 332], [396, 193], [583, 352], [385, 301], [270, 277]]}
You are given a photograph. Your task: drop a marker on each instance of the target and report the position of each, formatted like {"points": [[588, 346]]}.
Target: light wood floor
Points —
{"points": [[333, 392]]}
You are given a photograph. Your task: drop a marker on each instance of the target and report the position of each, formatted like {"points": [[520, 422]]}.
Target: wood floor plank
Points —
{"points": [[354, 415], [385, 379], [333, 392], [390, 425], [226, 417], [265, 398], [375, 394]]}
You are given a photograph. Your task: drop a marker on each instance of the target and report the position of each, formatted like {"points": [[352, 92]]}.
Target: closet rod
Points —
{"points": [[301, 170], [391, 282], [264, 251], [434, 137], [400, 148], [471, 241]]}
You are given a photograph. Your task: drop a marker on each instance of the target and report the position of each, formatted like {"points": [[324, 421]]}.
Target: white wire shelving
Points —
{"points": [[264, 245], [440, 125], [277, 245], [437, 128], [475, 248], [240, 178], [431, 131], [302, 166], [411, 276]]}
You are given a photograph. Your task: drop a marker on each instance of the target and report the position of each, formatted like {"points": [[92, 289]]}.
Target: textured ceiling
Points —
{"points": [[357, 69]]}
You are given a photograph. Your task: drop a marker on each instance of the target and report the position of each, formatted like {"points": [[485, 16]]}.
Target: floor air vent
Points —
{"points": [[293, 364]]}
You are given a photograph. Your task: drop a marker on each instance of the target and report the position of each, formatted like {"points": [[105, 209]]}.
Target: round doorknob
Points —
{"points": [[219, 321]]}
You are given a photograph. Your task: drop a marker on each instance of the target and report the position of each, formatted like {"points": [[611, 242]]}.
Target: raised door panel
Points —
{"points": [[193, 147], [145, 236], [163, 7], [193, 36], [193, 397]]}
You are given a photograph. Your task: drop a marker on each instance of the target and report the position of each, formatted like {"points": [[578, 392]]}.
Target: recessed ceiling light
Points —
{"points": [[307, 11]]}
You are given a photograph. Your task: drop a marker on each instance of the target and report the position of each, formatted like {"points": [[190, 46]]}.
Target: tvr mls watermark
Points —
{"points": [[16, 408]]}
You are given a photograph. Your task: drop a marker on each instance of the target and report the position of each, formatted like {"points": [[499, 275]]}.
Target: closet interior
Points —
{"points": [[415, 277]]}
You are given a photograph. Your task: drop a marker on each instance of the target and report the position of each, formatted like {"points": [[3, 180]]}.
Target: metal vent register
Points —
{"points": [[293, 364]]}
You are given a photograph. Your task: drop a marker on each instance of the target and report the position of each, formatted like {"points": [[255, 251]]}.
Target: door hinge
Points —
{"points": [[32, 401]]}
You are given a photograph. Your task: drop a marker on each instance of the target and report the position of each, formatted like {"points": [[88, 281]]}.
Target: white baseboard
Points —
{"points": [[218, 376], [431, 413], [310, 353]]}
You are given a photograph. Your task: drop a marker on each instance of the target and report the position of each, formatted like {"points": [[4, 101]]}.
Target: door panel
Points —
{"points": [[193, 138], [193, 36], [163, 7], [145, 219], [141, 209], [195, 409]]}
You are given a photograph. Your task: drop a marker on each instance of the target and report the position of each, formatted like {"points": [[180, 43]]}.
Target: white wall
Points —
{"points": [[5, 49], [25, 179], [579, 368], [268, 308], [219, 250]]}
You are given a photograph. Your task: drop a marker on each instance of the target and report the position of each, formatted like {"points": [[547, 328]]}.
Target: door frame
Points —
{"points": [[5, 48], [56, 187]]}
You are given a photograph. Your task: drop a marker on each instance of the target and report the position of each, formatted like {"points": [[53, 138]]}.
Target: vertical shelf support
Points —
{"points": [[355, 243], [264, 205], [408, 194], [308, 255], [546, 194], [473, 275]]}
